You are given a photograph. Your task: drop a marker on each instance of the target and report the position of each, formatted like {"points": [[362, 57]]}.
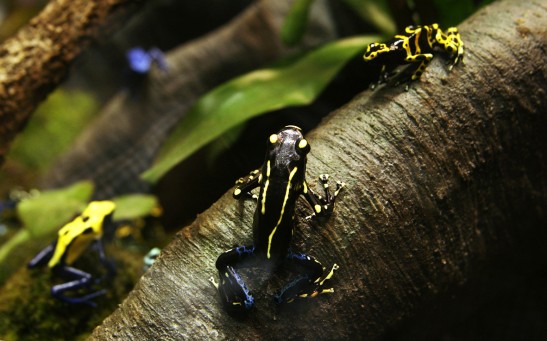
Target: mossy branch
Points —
{"points": [[38, 57], [442, 180]]}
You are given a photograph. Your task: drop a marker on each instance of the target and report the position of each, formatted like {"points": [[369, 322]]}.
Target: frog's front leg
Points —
{"points": [[43, 257], [235, 295], [105, 261], [312, 281], [246, 185], [81, 279], [322, 206]]}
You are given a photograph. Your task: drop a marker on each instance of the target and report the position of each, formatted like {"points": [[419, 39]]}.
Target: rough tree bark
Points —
{"points": [[442, 180], [38, 57]]}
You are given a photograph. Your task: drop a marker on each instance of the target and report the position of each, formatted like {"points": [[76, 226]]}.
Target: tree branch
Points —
{"points": [[37, 58], [442, 180]]}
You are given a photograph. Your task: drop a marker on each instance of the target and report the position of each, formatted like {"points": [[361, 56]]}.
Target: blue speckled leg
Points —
{"points": [[309, 283], [82, 279], [233, 290]]}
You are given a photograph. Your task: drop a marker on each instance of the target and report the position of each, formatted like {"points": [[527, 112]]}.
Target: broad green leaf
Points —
{"points": [[49, 211], [252, 94], [134, 206], [296, 21], [376, 13], [224, 142]]}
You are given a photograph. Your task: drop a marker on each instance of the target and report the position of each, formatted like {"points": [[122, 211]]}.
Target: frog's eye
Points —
{"points": [[273, 138], [303, 145], [373, 50], [370, 48]]}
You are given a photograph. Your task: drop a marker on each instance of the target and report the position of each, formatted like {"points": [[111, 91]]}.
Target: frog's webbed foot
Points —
{"points": [[322, 206], [82, 280], [314, 281], [234, 293]]}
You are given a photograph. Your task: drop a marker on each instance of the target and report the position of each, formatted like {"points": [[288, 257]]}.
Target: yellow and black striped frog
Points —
{"points": [[416, 48]]}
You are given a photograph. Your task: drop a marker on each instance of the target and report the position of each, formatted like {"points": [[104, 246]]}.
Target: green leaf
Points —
{"points": [[134, 206], [15, 241], [223, 142], [376, 13], [49, 211], [252, 94], [296, 21], [53, 128]]}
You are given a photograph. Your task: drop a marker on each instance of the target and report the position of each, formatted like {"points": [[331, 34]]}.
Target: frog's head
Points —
{"points": [[288, 148], [374, 50]]}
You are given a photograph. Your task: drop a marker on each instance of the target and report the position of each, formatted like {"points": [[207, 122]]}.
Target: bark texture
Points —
{"points": [[442, 180], [37, 58]]}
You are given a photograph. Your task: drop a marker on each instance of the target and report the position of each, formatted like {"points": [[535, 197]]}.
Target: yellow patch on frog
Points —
{"points": [[77, 235]]}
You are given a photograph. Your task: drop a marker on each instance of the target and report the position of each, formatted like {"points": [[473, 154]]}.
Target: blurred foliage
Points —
{"points": [[252, 94], [16, 13], [134, 206], [52, 128], [295, 23], [376, 13], [452, 12], [45, 213], [294, 84], [29, 312]]}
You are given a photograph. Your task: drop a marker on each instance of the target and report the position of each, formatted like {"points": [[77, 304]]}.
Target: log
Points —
{"points": [[442, 181]]}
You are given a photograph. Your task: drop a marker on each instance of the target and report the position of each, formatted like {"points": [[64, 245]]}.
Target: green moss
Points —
{"points": [[57, 121], [31, 313]]}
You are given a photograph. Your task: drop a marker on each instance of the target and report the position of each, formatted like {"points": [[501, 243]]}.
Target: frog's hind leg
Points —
{"points": [[235, 295], [82, 280], [312, 281]]}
